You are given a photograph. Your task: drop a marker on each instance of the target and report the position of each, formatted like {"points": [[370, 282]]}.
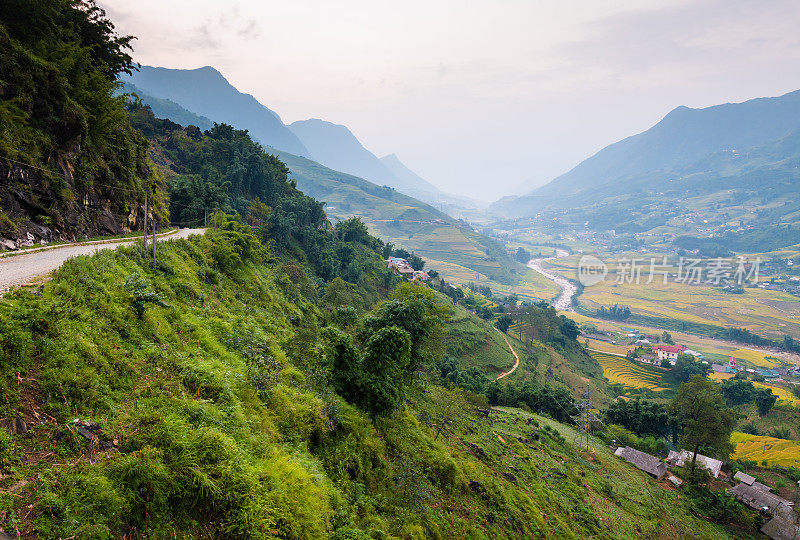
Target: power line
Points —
{"points": [[54, 174], [585, 420]]}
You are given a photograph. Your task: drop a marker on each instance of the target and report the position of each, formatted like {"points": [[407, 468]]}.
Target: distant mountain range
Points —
{"points": [[747, 147], [336, 147], [206, 93], [396, 215]]}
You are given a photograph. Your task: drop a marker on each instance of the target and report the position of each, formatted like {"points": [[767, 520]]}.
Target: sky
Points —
{"points": [[481, 98]]}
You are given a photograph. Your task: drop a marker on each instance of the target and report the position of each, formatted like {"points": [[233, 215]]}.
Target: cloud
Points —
{"points": [[697, 39], [251, 30], [202, 37]]}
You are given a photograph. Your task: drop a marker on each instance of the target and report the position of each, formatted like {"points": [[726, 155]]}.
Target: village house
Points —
{"points": [[782, 527], [750, 481], [668, 352], [649, 464], [684, 457], [421, 275], [760, 499]]}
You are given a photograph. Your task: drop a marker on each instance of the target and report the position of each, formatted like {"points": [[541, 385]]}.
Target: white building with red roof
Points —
{"points": [[668, 352]]}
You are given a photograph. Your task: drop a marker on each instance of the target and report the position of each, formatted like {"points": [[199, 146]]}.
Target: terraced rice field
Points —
{"points": [[632, 374], [760, 448], [755, 358], [765, 312], [782, 393], [604, 346], [719, 377]]}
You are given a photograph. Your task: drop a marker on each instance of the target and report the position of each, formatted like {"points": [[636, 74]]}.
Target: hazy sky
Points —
{"points": [[479, 97]]}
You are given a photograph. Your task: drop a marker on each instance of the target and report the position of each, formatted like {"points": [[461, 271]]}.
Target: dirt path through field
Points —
{"points": [[516, 364]]}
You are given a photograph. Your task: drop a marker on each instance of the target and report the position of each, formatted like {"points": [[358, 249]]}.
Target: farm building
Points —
{"points": [[678, 459], [668, 352], [750, 481], [401, 267], [782, 527], [421, 275], [768, 373], [760, 499], [719, 368], [649, 464]]}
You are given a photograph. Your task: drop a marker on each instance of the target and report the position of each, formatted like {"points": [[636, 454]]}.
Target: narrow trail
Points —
{"points": [[516, 364]]}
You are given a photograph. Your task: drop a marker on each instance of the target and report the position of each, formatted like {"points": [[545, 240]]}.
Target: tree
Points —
{"points": [[416, 262], [765, 399], [686, 367], [522, 255], [503, 322], [641, 417], [402, 253], [387, 355], [667, 338], [738, 391], [705, 421], [415, 309], [372, 379]]}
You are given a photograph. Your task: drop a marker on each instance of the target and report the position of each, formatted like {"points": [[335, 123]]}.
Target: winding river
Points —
{"points": [[564, 300]]}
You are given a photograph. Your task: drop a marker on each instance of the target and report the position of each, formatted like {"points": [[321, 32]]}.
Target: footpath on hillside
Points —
{"points": [[20, 269], [516, 364]]}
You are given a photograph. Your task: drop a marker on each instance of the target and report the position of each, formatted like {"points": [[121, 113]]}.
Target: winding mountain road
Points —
{"points": [[19, 269]]}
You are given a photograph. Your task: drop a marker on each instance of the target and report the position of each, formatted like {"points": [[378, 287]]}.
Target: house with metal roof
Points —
{"points": [[750, 481], [649, 464], [782, 527], [760, 499], [679, 459]]}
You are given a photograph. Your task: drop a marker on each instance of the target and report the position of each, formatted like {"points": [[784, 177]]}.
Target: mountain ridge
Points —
{"points": [[206, 92], [682, 137]]}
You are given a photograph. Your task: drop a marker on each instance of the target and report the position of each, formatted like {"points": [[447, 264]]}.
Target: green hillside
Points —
{"points": [[220, 421], [72, 165]]}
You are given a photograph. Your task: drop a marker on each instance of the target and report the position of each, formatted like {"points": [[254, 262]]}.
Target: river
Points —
{"points": [[568, 289]]}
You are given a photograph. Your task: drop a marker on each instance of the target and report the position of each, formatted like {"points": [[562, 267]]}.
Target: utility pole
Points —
{"points": [[154, 241], [145, 220], [585, 420]]}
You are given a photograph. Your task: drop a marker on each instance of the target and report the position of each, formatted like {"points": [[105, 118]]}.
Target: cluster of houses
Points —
{"points": [[401, 267], [777, 374], [664, 352], [784, 523]]}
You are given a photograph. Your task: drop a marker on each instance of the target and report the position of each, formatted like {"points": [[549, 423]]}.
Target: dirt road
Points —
{"points": [[23, 268], [516, 364]]}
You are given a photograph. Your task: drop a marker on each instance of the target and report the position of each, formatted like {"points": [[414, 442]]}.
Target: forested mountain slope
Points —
{"points": [[392, 215], [71, 164], [205, 92], [683, 142]]}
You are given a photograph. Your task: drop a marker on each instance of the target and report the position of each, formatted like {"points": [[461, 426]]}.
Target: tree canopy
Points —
{"points": [[705, 421]]}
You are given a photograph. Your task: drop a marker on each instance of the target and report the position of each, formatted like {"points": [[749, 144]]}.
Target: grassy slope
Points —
{"points": [[473, 341], [224, 428]]}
